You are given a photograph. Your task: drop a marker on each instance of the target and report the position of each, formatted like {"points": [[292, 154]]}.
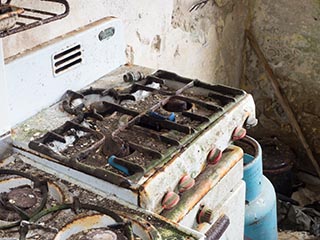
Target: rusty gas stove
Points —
{"points": [[130, 136], [157, 141]]}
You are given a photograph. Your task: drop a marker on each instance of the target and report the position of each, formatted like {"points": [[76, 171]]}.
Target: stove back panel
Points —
{"points": [[39, 77]]}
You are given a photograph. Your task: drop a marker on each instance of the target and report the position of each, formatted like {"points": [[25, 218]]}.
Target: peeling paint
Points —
{"points": [[130, 54], [142, 39], [156, 43]]}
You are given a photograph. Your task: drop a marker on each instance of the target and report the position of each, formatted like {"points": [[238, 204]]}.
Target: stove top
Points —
{"points": [[136, 130], [120, 135], [37, 205], [122, 156]]}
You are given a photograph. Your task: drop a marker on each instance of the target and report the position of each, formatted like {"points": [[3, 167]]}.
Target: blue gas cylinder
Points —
{"points": [[260, 209]]}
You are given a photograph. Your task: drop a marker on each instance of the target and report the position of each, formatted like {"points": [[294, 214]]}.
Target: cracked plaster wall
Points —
{"points": [[288, 33], [205, 44]]}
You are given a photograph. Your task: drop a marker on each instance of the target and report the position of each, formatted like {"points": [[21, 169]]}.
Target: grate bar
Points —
{"points": [[38, 21], [30, 17], [40, 12], [156, 135], [196, 117]]}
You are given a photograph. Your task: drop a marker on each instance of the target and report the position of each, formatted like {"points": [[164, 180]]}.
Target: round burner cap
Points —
{"points": [[99, 234]]}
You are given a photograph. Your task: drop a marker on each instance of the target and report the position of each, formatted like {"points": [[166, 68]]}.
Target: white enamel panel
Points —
{"points": [[4, 121], [32, 83]]}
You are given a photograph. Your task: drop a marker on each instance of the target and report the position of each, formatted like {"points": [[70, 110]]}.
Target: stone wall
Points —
{"points": [[288, 32], [204, 44]]}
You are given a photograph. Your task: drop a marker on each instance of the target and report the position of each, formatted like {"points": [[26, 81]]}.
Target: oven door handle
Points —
{"points": [[218, 228]]}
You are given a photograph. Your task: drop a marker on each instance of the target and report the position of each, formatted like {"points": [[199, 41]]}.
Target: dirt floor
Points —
{"points": [[288, 235], [305, 195]]}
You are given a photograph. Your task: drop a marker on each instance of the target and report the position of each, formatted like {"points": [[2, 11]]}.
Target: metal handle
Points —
{"points": [[218, 228]]}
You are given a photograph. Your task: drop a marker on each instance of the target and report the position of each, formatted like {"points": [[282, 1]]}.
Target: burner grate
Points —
{"points": [[137, 134], [22, 201], [79, 213], [28, 18]]}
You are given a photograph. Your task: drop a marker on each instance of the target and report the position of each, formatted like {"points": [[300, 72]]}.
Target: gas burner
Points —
{"points": [[95, 234], [82, 221], [101, 222], [76, 221], [122, 135], [74, 213], [23, 196], [90, 102], [177, 105]]}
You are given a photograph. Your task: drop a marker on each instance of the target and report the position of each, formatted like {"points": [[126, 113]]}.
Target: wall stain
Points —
{"points": [[291, 42], [156, 43]]}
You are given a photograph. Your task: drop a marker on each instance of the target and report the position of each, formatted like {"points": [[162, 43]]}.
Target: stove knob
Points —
{"points": [[238, 133], [214, 156], [185, 183], [170, 200], [204, 215]]}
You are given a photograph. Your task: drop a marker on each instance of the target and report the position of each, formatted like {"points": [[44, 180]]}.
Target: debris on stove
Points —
{"points": [[8, 16], [177, 105], [124, 133], [58, 210], [24, 196], [142, 94], [15, 19], [96, 234]]}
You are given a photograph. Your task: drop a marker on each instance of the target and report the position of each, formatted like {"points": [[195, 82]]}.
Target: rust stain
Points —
{"points": [[204, 184], [57, 189], [86, 222], [233, 163]]}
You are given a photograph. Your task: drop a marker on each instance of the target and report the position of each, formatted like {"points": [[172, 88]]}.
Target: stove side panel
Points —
{"points": [[193, 159], [4, 122], [32, 81]]}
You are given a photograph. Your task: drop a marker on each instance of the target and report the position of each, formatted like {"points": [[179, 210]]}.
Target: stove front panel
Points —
{"points": [[193, 159], [205, 205]]}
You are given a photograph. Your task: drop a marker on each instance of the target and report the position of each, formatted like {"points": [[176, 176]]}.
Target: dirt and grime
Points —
{"points": [[46, 227]]}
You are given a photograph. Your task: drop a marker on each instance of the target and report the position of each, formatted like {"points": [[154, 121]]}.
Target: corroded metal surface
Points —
{"points": [[193, 159], [218, 228], [211, 176], [202, 105], [87, 211], [33, 14]]}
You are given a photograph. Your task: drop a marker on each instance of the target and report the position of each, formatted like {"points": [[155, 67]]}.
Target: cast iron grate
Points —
{"points": [[28, 18], [136, 135]]}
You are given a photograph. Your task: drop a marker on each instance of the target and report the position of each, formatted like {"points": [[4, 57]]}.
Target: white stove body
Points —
{"points": [[35, 84], [38, 77], [4, 121]]}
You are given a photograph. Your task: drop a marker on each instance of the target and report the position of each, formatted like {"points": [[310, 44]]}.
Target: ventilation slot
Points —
{"points": [[67, 59]]}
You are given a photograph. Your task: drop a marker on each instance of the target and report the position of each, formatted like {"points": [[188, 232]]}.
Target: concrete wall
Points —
{"points": [[204, 44], [288, 33]]}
